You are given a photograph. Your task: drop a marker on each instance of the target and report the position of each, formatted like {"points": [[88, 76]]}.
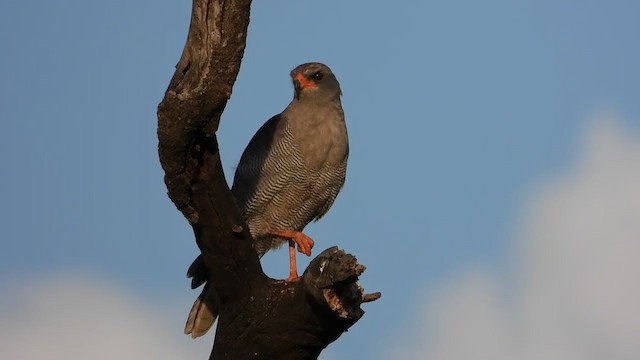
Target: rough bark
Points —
{"points": [[260, 318]]}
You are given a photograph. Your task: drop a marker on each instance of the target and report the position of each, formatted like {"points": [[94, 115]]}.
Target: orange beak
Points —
{"points": [[304, 83]]}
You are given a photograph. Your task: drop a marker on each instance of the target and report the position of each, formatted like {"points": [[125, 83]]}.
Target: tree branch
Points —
{"points": [[259, 318]]}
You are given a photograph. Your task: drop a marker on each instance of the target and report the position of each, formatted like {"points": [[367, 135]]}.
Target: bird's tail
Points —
{"points": [[206, 308], [203, 313]]}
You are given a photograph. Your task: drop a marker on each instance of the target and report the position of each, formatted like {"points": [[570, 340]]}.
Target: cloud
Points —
{"points": [[71, 317], [575, 290]]}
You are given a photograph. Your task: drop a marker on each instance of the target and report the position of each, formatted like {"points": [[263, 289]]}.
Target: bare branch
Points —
{"points": [[259, 318]]}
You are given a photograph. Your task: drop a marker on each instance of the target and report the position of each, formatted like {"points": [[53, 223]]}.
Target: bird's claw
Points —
{"points": [[305, 244]]}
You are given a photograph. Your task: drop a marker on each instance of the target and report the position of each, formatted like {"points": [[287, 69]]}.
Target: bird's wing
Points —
{"points": [[267, 165]]}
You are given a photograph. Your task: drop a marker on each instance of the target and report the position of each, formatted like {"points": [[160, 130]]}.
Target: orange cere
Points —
{"points": [[304, 83]]}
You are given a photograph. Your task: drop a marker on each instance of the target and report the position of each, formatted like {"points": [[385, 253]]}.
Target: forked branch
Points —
{"points": [[259, 318]]}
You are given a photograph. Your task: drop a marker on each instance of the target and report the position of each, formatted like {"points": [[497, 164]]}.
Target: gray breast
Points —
{"points": [[285, 193]]}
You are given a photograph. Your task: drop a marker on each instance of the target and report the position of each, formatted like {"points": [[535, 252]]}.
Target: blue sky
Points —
{"points": [[456, 111]]}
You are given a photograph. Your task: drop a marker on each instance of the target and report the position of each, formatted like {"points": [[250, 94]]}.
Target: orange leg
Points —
{"points": [[293, 268], [305, 244]]}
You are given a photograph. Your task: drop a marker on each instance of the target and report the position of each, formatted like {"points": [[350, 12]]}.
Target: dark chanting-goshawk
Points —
{"points": [[289, 174]]}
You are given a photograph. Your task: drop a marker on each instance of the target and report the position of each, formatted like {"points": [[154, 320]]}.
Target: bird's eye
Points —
{"points": [[318, 75]]}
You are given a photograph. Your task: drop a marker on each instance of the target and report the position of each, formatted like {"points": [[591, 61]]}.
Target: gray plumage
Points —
{"points": [[289, 174]]}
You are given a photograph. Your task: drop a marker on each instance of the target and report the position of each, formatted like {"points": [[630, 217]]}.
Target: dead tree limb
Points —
{"points": [[259, 318]]}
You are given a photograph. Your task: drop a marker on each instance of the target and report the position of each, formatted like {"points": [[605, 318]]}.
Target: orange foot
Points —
{"points": [[305, 244]]}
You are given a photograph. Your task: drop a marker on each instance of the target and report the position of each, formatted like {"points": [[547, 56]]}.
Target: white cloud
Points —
{"points": [[575, 293], [70, 317]]}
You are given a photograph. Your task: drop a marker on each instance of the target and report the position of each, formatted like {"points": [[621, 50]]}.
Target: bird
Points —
{"points": [[289, 174]]}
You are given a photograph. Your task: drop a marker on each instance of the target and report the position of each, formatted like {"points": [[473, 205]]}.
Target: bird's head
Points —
{"points": [[315, 80]]}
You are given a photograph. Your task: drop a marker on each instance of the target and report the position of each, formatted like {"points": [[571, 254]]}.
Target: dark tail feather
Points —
{"points": [[198, 272], [206, 308]]}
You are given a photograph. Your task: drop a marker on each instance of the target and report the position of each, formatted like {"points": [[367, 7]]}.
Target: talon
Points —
{"points": [[305, 244]]}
